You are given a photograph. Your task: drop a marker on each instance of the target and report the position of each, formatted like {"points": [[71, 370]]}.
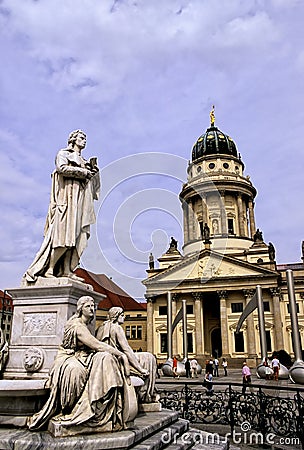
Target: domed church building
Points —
{"points": [[224, 257]]}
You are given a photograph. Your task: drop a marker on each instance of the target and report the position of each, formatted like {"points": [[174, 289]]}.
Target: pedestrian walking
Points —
{"points": [[275, 363], [174, 368], [268, 371], [193, 365], [246, 377], [188, 368], [225, 365], [208, 383], [216, 367], [211, 365]]}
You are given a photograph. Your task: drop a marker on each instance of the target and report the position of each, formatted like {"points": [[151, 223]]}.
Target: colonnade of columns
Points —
{"points": [[199, 204], [199, 323]]}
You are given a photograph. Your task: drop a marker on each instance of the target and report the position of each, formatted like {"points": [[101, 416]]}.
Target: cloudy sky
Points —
{"points": [[139, 77]]}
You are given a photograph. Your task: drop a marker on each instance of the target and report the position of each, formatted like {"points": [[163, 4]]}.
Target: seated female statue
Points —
{"points": [[88, 381], [142, 364]]}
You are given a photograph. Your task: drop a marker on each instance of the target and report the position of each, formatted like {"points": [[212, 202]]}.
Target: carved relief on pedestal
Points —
{"points": [[33, 359], [39, 324]]}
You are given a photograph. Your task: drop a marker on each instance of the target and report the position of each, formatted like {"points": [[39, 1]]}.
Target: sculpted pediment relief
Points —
{"points": [[211, 267], [208, 265]]}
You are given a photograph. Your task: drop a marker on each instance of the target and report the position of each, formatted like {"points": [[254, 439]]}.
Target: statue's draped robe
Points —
{"points": [[86, 387], [70, 213], [111, 333]]}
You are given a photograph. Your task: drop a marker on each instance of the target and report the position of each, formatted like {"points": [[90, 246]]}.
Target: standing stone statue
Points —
{"points": [[151, 262], [75, 185], [258, 236], [205, 232], [173, 245], [271, 251]]}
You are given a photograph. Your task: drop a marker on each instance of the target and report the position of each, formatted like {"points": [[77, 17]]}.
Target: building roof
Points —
{"points": [[115, 295], [214, 142], [8, 305]]}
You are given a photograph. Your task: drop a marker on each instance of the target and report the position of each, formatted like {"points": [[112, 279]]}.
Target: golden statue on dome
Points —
{"points": [[212, 116]]}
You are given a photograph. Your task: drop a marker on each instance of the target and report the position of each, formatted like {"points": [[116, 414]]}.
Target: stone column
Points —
{"points": [[191, 221], [223, 295], [199, 329], [150, 324], [223, 213], [240, 215], [277, 318], [251, 347], [186, 221], [204, 208], [251, 218], [175, 332], [196, 230]]}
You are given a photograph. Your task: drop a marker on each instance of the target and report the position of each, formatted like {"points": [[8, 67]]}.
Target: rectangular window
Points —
{"points": [[162, 310], [190, 342], [230, 226], [268, 341], [239, 342], [266, 306], [163, 343], [139, 332], [189, 309], [128, 334], [133, 332], [236, 307], [288, 308]]}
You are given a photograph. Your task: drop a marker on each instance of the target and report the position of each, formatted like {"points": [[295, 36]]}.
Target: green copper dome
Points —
{"points": [[214, 142]]}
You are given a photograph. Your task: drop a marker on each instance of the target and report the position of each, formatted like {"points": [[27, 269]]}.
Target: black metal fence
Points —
{"points": [[266, 409]]}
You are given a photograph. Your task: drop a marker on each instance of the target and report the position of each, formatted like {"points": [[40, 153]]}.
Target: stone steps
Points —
{"points": [[165, 436], [196, 439], [151, 431]]}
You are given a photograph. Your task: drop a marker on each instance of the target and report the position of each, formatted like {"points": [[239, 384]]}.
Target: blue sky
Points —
{"points": [[139, 77]]}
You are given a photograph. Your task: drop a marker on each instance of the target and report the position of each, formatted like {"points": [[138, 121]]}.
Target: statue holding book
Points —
{"points": [[75, 186]]}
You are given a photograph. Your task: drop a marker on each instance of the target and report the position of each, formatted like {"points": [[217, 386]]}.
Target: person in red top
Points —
{"points": [[174, 368], [246, 376]]}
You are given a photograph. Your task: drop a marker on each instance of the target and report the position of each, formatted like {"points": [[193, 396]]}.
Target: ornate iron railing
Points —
{"points": [[266, 409]]}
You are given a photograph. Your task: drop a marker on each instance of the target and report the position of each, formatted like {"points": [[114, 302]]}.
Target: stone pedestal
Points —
{"points": [[40, 313], [20, 399]]}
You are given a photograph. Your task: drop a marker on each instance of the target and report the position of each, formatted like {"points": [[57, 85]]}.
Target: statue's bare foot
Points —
{"points": [[49, 274]]}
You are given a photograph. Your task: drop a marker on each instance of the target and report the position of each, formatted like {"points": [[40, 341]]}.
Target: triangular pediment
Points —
{"points": [[207, 265]]}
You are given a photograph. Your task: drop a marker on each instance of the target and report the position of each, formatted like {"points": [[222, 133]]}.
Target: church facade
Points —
{"points": [[224, 257]]}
